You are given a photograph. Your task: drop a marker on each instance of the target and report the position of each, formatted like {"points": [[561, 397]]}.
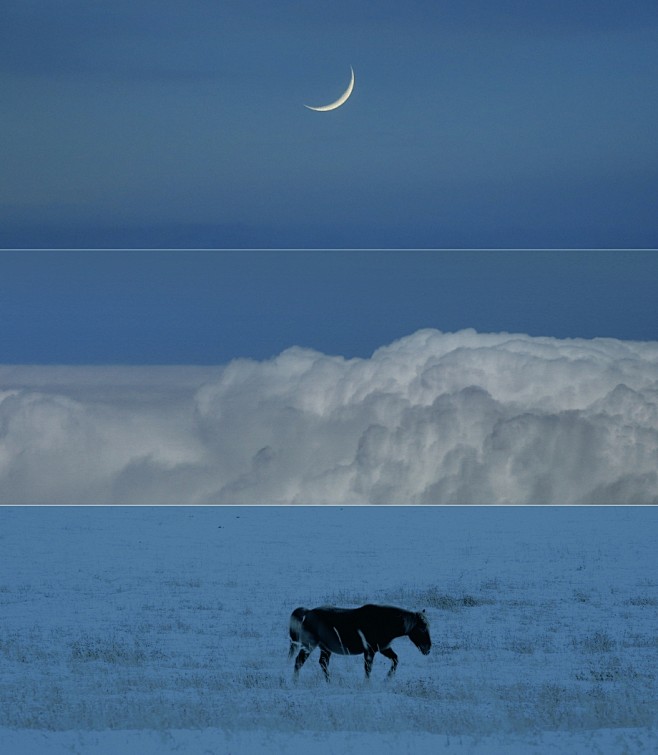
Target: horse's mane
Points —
{"points": [[413, 618]]}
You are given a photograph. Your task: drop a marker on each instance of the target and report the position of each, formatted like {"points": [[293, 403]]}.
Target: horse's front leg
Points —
{"points": [[369, 656], [324, 663], [393, 656]]}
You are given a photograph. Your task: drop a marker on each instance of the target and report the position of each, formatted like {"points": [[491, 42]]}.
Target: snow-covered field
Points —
{"points": [[165, 629]]}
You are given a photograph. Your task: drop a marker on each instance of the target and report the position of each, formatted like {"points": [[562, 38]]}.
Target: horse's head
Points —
{"points": [[419, 632]]}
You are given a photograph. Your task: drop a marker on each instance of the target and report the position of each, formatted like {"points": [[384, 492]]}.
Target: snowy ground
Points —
{"points": [[165, 629]]}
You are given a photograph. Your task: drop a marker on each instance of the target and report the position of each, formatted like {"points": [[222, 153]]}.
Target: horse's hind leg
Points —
{"points": [[301, 658], [324, 663], [368, 655], [393, 656]]}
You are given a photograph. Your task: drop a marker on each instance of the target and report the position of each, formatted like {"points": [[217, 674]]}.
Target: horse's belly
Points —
{"points": [[342, 650], [344, 643]]}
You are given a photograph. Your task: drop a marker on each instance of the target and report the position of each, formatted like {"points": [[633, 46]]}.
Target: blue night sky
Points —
{"points": [[207, 307], [473, 124]]}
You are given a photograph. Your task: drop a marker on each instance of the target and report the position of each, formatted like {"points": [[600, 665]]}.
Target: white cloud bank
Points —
{"points": [[432, 418]]}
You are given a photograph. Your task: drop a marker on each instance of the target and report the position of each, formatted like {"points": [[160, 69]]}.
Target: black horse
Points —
{"points": [[355, 631]]}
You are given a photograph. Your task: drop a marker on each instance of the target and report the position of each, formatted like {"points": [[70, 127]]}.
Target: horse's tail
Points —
{"points": [[296, 620]]}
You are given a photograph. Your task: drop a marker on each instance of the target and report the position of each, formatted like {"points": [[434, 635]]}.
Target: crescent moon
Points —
{"points": [[340, 101]]}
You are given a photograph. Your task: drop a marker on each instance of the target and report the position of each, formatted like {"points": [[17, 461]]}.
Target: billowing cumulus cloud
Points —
{"points": [[432, 418]]}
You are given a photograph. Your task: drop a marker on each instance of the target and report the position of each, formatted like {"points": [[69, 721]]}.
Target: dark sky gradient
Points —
{"points": [[185, 307], [473, 124]]}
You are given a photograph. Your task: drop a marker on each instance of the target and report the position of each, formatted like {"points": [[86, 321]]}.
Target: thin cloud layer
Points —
{"points": [[432, 418]]}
